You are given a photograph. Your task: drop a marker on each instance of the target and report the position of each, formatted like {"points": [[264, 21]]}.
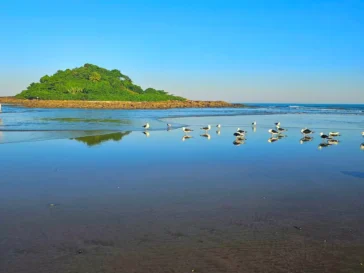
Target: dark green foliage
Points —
{"points": [[91, 82]]}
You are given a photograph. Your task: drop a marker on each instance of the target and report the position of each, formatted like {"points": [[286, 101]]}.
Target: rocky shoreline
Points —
{"points": [[118, 104]]}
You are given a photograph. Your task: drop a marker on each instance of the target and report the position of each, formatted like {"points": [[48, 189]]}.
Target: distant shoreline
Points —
{"points": [[118, 104]]}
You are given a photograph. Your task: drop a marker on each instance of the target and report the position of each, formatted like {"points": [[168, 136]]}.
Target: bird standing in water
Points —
{"points": [[146, 126]]}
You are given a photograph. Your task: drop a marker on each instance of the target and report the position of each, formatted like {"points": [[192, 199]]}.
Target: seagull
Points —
{"points": [[169, 125], [186, 130], [186, 137], [237, 134], [281, 130], [206, 135], [254, 124], [273, 139], [306, 139], [333, 141], [218, 126], [206, 128], [0, 107], [241, 131], [362, 146], [362, 133], [273, 132], [146, 126], [277, 124], [323, 136], [323, 145], [306, 131], [146, 133], [334, 134]]}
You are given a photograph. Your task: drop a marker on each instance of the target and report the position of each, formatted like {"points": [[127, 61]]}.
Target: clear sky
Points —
{"points": [[242, 51]]}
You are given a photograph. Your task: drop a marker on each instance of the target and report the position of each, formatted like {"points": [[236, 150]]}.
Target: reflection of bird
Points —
{"points": [[206, 135], [333, 141], [334, 134], [186, 130], [280, 136], [362, 146], [306, 131], [218, 126], [273, 132], [254, 124], [306, 139], [146, 133], [186, 137], [146, 126], [362, 133], [218, 132], [323, 145], [206, 128], [323, 136], [238, 142], [273, 139]]}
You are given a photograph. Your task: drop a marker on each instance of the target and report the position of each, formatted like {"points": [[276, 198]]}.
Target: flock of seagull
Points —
{"points": [[276, 134]]}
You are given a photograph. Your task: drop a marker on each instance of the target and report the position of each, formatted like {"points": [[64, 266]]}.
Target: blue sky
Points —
{"points": [[243, 51]]}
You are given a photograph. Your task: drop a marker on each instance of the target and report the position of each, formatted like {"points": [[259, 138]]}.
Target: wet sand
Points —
{"points": [[159, 204]]}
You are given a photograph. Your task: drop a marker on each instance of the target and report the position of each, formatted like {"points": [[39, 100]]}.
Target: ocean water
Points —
{"points": [[90, 191]]}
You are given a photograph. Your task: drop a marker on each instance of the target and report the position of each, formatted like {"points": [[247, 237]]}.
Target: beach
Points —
{"points": [[74, 199]]}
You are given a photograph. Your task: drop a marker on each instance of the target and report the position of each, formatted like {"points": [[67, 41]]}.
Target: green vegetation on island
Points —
{"points": [[93, 83]]}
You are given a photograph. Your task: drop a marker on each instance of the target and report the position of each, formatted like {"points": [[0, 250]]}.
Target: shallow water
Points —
{"points": [[122, 201]]}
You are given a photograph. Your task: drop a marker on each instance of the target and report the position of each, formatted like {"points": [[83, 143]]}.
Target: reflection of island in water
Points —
{"points": [[98, 139]]}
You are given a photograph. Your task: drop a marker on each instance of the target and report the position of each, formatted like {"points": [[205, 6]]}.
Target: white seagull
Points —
{"points": [[254, 124], [362, 133], [238, 134], [186, 130], [206, 128], [218, 126], [146, 126], [281, 130], [306, 131], [323, 136], [277, 124], [241, 131], [273, 132]]}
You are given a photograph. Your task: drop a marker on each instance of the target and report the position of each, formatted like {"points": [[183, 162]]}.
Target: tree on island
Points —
{"points": [[91, 82]]}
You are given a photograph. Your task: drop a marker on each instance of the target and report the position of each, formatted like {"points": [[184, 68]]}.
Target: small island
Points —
{"points": [[91, 86]]}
